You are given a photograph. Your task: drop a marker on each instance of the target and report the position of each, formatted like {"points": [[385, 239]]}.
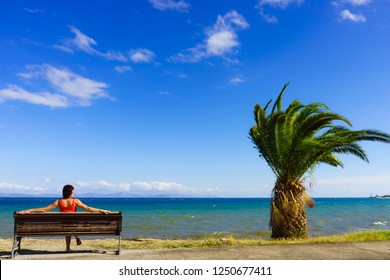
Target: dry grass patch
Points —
{"points": [[146, 243]]}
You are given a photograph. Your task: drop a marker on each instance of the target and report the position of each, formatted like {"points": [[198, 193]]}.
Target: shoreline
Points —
{"points": [[373, 245], [374, 250]]}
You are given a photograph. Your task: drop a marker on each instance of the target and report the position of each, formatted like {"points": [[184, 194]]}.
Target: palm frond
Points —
{"points": [[331, 159], [372, 135], [278, 102], [352, 149]]}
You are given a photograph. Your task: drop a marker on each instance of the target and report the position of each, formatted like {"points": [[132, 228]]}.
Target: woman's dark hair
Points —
{"points": [[67, 191]]}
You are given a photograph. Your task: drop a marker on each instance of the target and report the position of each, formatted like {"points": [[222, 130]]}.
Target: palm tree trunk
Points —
{"points": [[288, 211]]}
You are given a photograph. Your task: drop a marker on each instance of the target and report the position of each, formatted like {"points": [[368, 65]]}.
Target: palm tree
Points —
{"points": [[293, 142]]}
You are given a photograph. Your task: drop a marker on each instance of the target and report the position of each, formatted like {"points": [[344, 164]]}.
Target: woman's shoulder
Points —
{"points": [[56, 202]]}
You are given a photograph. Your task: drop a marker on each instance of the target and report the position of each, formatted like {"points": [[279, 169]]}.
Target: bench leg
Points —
{"points": [[119, 246], [16, 246]]}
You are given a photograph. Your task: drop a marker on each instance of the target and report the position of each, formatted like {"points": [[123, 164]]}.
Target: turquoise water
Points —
{"points": [[196, 217]]}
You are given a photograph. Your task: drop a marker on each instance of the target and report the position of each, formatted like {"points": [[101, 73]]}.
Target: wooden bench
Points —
{"points": [[65, 224]]}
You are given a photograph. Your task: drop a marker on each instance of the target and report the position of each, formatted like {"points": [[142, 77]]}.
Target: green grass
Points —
{"points": [[231, 241]]}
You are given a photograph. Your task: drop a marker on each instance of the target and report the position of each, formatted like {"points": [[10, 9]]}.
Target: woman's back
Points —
{"points": [[67, 205]]}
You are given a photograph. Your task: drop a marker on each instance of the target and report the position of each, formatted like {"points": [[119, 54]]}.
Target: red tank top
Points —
{"points": [[71, 208]]}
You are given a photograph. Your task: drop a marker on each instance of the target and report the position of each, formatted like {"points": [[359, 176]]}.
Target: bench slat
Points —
{"points": [[99, 233]]}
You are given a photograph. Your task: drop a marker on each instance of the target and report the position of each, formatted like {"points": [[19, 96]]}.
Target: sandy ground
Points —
{"points": [[377, 250]]}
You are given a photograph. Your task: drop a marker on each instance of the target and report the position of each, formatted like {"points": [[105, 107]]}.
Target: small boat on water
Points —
{"points": [[380, 196]]}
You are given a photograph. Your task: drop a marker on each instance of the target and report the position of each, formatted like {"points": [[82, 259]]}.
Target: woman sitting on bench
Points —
{"points": [[66, 204]]}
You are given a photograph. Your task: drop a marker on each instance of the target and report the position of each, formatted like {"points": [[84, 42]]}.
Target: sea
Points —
{"points": [[182, 218]]}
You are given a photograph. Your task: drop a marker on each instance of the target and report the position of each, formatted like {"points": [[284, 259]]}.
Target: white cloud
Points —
{"points": [[221, 42], [10, 187], [230, 20], [236, 80], [81, 42], [358, 2], [104, 188], [100, 186], [114, 56], [344, 13], [141, 56], [268, 18], [75, 85], [70, 89], [190, 55], [161, 186], [13, 92], [33, 11], [105, 184], [281, 4], [84, 43], [347, 15], [164, 93], [162, 5], [64, 48], [122, 69], [221, 39], [135, 188], [222, 36]]}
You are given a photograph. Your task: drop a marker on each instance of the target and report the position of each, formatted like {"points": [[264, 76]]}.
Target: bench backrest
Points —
{"points": [[56, 224]]}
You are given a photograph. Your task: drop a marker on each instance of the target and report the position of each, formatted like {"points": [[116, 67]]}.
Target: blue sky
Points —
{"points": [[155, 97]]}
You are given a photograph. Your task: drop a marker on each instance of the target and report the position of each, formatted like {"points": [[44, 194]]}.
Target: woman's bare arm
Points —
{"points": [[90, 209], [40, 210]]}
